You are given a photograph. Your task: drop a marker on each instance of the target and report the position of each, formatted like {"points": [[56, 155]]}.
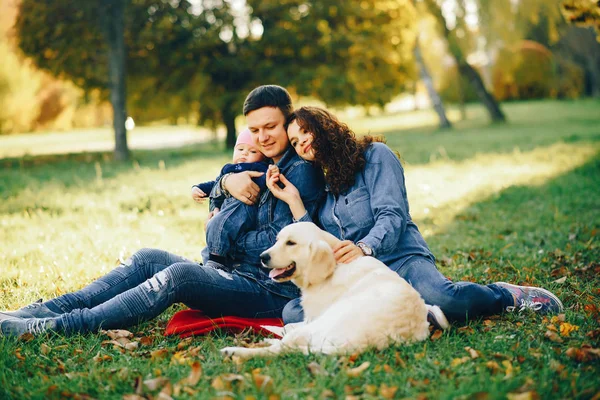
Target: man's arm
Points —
{"points": [[309, 181]]}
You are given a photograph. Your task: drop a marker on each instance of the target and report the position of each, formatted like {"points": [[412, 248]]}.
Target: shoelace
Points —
{"points": [[37, 326], [526, 305]]}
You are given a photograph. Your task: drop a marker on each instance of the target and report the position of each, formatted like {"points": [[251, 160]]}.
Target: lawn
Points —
{"points": [[517, 202]]}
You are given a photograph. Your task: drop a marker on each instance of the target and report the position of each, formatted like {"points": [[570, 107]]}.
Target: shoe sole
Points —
{"points": [[546, 292], [439, 316]]}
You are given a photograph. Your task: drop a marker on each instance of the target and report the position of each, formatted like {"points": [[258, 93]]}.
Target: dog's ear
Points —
{"points": [[321, 263]]}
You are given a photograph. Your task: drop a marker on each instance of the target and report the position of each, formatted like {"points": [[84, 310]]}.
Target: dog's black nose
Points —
{"points": [[265, 257]]}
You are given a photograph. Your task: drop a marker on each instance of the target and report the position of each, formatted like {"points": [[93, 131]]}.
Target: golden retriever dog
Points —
{"points": [[347, 307]]}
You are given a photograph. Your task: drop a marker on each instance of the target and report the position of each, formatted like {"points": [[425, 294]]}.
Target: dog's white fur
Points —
{"points": [[347, 307]]}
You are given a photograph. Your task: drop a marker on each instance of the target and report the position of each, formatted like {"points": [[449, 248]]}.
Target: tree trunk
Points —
{"points": [[113, 21], [486, 98], [438, 106], [229, 121]]}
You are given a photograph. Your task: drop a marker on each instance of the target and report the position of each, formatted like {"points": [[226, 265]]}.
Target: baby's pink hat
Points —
{"points": [[245, 137]]}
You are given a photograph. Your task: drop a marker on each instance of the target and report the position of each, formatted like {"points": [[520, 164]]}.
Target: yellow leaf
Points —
{"points": [[458, 361], [566, 328], [354, 372]]}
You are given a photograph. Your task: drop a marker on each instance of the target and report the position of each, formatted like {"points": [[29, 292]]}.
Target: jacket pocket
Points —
{"points": [[358, 205]]}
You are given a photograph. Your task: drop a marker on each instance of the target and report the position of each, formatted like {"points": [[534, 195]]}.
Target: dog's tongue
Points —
{"points": [[276, 272]]}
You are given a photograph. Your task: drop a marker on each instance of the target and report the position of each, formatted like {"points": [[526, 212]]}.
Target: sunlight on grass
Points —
{"points": [[439, 191]]}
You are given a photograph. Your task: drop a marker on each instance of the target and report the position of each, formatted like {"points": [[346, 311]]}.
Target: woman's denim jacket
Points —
{"points": [[375, 210]]}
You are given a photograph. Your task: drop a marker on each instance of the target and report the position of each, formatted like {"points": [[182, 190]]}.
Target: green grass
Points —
{"points": [[518, 203]]}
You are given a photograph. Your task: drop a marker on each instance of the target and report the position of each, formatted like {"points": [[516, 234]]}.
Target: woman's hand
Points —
{"points": [[198, 195], [346, 251], [289, 193], [242, 187]]}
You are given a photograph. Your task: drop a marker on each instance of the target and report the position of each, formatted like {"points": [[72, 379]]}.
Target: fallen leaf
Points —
{"points": [[585, 353], [467, 330], [553, 336], [327, 393], [184, 343], [387, 392], [457, 361], [509, 369], [158, 354], [133, 397], [531, 395], [146, 340], [117, 333], [194, 376], [166, 392], [18, 354], [316, 369], [101, 357], [264, 383], [45, 349], [472, 352], [155, 383], [493, 366], [560, 280], [371, 389], [399, 360], [26, 337], [436, 335], [355, 372], [566, 329]]}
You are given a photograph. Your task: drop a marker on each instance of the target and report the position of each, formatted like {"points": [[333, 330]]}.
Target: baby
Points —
{"points": [[224, 227]]}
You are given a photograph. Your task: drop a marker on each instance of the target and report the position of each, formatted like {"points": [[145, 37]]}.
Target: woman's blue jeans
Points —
{"points": [[459, 301], [152, 280]]}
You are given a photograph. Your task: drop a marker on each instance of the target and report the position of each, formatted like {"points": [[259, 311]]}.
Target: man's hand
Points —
{"points": [[198, 195], [346, 251], [242, 187]]}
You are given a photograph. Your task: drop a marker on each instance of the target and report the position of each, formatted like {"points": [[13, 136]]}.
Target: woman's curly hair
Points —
{"points": [[337, 150]]}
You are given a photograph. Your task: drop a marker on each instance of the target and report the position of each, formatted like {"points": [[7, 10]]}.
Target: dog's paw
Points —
{"points": [[229, 351]]}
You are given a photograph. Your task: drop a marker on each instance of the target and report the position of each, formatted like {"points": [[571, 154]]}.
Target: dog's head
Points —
{"points": [[302, 253]]}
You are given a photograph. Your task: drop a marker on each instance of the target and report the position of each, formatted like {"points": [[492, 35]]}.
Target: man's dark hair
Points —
{"points": [[269, 96]]}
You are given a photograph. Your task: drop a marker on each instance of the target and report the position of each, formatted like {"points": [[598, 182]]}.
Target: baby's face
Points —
{"points": [[245, 153]]}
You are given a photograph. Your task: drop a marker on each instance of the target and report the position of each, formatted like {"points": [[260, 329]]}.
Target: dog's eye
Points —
{"points": [[290, 243]]}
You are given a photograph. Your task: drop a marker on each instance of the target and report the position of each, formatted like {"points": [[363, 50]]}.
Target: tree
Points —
{"points": [[208, 54], [583, 13], [465, 69], [436, 100]]}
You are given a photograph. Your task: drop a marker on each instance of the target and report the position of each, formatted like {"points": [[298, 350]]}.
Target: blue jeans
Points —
{"points": [[152, 280], [459, 301]]}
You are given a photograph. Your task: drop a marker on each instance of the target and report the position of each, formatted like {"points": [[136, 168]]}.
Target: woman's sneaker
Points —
{"points": [[34, 310], [436, 318], [532, 298]]}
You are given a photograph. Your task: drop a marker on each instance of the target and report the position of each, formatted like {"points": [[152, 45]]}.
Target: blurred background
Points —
{"points": [[182, 68]]}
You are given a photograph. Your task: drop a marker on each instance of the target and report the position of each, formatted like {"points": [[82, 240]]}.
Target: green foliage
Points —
{"points": [[203, 57], [64, 224], [527, 72], [455, 88]]}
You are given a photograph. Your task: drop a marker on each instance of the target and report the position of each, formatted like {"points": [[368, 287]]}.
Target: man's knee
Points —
{"points": [[293, 312]]}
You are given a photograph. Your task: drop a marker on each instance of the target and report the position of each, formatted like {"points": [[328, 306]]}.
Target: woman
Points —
{"points": [[367, 208]]}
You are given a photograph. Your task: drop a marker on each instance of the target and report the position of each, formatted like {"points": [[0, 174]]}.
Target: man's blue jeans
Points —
{"points": [[459, 301], [151, 280]]}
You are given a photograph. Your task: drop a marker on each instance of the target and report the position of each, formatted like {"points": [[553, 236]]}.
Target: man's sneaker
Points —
{"points": [[436, 318], [20, 326], [34, 310], [532, 298]]}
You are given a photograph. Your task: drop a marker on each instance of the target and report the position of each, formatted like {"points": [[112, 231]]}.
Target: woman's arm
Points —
{"points": [[384, 178]]}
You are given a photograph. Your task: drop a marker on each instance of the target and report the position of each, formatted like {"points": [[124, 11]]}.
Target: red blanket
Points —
{"points": [[193, 322]]}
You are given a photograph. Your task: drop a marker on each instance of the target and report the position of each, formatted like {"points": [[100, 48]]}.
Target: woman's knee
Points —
{"points": [[293, 312]]}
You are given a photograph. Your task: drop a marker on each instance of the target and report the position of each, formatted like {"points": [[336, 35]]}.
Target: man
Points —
{"points": [[151, 280]]}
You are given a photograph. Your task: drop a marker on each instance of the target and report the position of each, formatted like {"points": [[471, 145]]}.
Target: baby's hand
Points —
{"points": [[198, 195], [273, 172]]}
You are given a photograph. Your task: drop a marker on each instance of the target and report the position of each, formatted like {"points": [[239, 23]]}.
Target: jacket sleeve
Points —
{"points": [[309, 181], [384, 177]]}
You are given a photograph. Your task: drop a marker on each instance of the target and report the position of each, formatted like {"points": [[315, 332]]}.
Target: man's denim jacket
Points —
{"points": [[274, 214]]}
